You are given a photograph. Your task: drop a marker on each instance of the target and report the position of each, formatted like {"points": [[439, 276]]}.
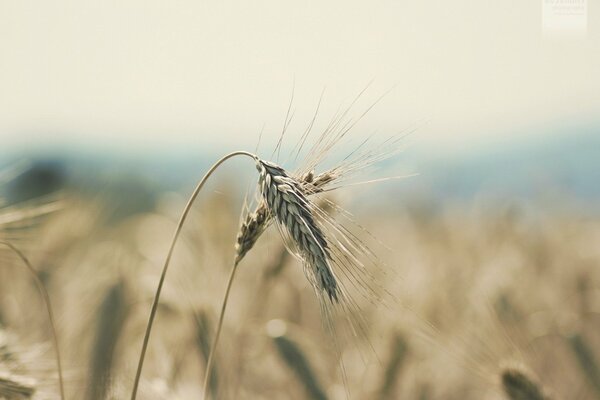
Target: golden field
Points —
{"points": [[475, 290]]}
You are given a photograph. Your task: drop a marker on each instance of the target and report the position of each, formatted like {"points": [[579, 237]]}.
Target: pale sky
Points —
{"points": [[152, 73]]}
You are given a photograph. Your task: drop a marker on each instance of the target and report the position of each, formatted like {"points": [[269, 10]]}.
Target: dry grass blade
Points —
{"points": [[21, 215], [15, 388], [292, 210], [46, 299], [111, 319], [295, 359], [518, 386]]}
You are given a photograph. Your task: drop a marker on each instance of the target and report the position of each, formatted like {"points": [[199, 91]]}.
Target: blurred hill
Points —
{"points": [[562, 164], [551, 168]]}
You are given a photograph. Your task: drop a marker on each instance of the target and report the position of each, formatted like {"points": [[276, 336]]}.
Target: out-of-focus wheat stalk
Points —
{"points": [[518, 385], [112, 315], [585, 358], [258, 305], [46, 299], [398, 351], [13, 387], [296, 359]]}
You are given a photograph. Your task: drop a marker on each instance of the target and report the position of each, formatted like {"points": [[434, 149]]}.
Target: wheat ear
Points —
{"points": [[161, 281], [289, 205], [46, 299]]}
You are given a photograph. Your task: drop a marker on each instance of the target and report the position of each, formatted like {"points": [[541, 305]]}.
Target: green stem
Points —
{"points": [[167, 261], [46, 299]]}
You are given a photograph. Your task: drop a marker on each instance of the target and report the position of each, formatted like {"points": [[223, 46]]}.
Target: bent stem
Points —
{"points": [[46, 299], [161, 281], [213, 348]]}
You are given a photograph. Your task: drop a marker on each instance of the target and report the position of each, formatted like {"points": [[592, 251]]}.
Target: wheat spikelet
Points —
{"points": [[519, 386], [288, 204], [253, 226], [315, 184]]}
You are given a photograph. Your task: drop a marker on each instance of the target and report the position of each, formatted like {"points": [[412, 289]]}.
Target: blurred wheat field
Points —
{"points": [[479, 292]]}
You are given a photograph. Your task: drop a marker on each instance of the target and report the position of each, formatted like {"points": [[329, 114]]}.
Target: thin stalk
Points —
{"points": [[46, 299], [213, 348], [182, 219]]}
